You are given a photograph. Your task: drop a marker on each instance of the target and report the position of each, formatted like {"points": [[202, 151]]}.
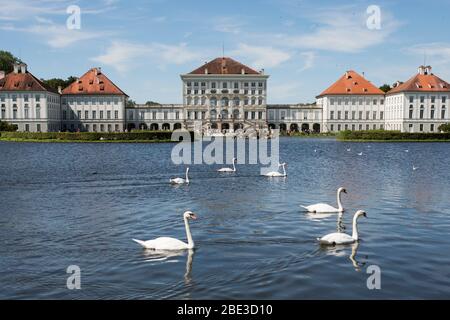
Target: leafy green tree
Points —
{"points": [[7, 60], [5, 126], [444, 127], [56, 82], [131, 103], [152, 103], [385, 88]]}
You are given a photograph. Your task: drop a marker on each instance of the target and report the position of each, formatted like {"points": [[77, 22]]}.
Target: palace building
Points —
{"points": [[222, 96], [418, 105], [93, 103], [352, 103], [26, 102]]}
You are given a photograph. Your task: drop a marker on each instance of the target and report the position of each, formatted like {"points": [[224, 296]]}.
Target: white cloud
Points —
{"points": [[56, 36], [309, 59], [284, 91], [228, 25], [124, 56], [436, 52], [261, 56]]}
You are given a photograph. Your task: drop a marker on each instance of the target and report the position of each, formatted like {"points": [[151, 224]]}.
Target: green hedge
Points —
{"points": [[91, 136], [390, 135]]}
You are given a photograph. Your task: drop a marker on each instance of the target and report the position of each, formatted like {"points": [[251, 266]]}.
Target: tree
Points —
{"points": [[385, 88], [131, 103], [444, 127], [5, 126], [152, 103], [7, 60], [56, 82]]}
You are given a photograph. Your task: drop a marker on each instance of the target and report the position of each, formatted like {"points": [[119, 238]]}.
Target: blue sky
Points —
{"points": [[143, 46]]}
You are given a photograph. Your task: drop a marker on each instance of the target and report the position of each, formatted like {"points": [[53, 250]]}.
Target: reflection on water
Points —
{"points": [[168, 255], [253, 239]]}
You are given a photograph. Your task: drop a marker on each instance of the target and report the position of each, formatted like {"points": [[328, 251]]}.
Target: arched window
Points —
{"points": [[195, 101], [411, 111], [213, 102], [443, 113], [224, 114], [236, 102], [203, 101], [225, 102], [422, 110], [213, 114], [188, 101], [236, 113], [432, 112]]}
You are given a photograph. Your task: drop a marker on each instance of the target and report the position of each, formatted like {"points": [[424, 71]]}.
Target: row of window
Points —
{"points": [[95, 127], [224, 102], [71, 114], [356, 101], [422, 112], [26, 112], [353, 127], [245, 91], [422, 99], [224, 85], [91, 101], [28, 97], [353, 115], [153, 115]]}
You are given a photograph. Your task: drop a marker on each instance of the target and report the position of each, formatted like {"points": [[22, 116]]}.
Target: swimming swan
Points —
{"points": [[326, 208], [276, 173], [343, 238], [229, 169], [181, 180], [165, 243]]}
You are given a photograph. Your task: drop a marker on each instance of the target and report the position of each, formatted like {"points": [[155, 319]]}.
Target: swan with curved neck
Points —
{"points": [[165, 243], [229, 169], [181, 180], [326, 208], [343, 238], [277, 173]]}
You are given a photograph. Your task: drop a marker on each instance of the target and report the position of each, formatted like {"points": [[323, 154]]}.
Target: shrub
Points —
{"points": [[92, 136], [5, 126], [444, 127], [390, 135]]}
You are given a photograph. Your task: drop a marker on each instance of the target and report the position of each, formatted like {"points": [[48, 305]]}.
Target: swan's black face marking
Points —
{"points": [[364, 215], [344, 190], [192, 216]]}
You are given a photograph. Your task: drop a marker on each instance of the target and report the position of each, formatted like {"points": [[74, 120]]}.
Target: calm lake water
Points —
{"points": [[81, 204]]}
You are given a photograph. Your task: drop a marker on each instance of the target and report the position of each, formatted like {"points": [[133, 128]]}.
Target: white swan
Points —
{"points": [[229, 169], [277, 173], [343, 238], [181, 180], [165, 243], [415, 168], [326, 208], [360, 154]]}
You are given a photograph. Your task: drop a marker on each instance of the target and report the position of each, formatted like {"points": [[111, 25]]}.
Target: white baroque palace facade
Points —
{"points": [[418, 105], [222, 96], [352, 103], [26, 102], [225, 95], [295, 117], [93, 103], [156, 117]]}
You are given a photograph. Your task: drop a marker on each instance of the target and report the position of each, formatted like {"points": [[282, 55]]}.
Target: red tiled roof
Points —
{"points": [[23, 82], [224, 66], [423, 83], [352, 83], [93, 82]]}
